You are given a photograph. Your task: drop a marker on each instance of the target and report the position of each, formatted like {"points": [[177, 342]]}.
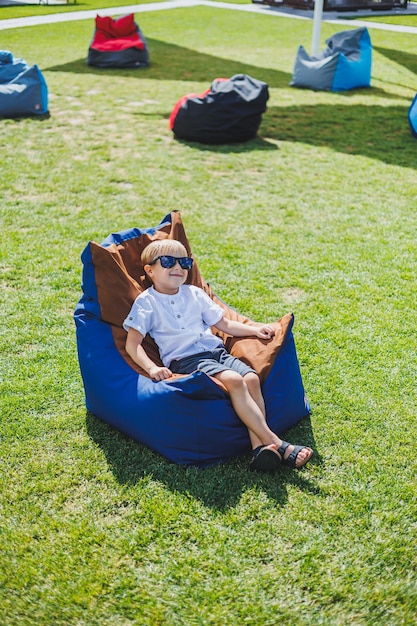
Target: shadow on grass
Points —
{"points": [[258, 143], [21, 118], [172, 62], [219, 487], [406, 59], [378, 132]]}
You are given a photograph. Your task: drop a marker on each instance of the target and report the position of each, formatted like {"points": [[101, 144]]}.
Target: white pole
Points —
{"points": [[318, 14]]}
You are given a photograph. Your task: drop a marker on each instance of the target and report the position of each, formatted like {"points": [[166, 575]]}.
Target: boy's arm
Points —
{"points": [[135, 350], [238, 329]]}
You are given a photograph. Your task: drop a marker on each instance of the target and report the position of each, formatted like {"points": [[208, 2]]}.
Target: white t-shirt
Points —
{"points": [[179, 323]]}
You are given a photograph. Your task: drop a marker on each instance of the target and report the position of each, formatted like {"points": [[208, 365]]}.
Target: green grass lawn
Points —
{"points": [[316, 216], [63, 6]]}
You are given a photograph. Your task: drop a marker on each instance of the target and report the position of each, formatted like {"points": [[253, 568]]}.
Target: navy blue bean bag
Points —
{"points": [[187, 419]]}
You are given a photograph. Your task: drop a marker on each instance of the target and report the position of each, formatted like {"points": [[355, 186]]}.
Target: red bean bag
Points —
{"points": [[118, 43]]}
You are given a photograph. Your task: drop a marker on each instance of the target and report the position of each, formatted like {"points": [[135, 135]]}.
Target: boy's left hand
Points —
{"points": [[265, 332]]}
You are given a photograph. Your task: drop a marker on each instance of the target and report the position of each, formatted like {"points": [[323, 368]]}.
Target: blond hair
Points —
{"points": [[161, 247]]}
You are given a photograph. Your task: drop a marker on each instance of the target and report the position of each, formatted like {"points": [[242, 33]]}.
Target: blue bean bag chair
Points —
{"points": [[345, 64], [187, 419], [23, 89], [412, 116]]}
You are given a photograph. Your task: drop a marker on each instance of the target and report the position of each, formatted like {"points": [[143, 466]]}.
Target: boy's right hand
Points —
{"points": [[159, 373]]}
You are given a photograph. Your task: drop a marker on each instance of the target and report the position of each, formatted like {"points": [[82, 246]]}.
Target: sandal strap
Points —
{"points": [[291, 459], [281, 450], [256, 452], [265, 459]]}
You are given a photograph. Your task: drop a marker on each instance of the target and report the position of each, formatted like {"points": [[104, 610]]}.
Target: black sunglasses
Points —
{"points": [[168, 261]]}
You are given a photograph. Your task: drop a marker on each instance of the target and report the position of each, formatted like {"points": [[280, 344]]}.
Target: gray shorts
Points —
{"points": [[211, 363]]}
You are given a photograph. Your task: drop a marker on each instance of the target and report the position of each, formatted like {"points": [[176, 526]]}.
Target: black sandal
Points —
{"points": [[292, 457], [265, 459]]}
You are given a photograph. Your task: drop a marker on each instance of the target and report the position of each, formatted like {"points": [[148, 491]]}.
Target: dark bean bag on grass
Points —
{"points": [[229, 111]]}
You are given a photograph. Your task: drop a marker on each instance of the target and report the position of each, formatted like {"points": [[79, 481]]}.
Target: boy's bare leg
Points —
{"points": [[246, 407], [254, 388], [247, 400]]}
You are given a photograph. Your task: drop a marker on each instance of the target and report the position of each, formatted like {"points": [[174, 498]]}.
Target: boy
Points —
{"points": [[178, 317]]}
